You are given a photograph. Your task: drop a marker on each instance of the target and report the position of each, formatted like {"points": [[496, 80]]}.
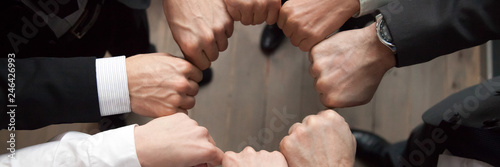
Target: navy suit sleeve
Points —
{"points": [[50, 91], [425, 29]]}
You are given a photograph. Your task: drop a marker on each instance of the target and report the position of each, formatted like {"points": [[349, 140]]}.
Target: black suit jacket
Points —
{"points": [[425, 29], [50, 91]]}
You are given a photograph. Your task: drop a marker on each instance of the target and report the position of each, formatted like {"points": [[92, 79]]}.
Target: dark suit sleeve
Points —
{"points": [[425, 29], [50, 91]]}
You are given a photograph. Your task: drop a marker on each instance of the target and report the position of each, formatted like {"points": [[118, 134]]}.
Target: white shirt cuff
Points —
{"points": [[112, 85], [114, 148], [107, 149]]}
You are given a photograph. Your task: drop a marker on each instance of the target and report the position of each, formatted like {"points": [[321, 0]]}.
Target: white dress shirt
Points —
{"points": [[110, 148]]}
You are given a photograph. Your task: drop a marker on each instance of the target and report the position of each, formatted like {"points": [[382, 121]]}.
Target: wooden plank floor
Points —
{"points": [[254, 99], [245, 102]]}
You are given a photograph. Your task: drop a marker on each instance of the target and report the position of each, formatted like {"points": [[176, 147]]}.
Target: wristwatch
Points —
{"points": [[383, 33]]}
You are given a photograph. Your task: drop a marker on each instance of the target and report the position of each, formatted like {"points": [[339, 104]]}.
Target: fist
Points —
{"points": [[200, 28], [160, 84], [175, 140], [348, 67], [307, 22], [320, 140], [254, 11], [249, 158]]}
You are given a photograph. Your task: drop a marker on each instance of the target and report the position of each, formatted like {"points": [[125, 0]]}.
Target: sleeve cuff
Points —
{"points": [[114, 148], [112, 86], [370, 6]]}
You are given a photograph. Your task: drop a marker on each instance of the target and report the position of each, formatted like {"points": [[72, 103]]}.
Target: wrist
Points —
{"points": [[384, 55]]}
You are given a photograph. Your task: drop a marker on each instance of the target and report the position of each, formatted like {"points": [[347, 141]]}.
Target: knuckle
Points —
{"points": [[332, 115], [316, 68], [175, 100], [202, 130], [300, 131], [248, 149], [303, 47], [311, 120], [208, 38], [285, 144], [322, 85], [330, 101], [189, 48], [182, 85]]}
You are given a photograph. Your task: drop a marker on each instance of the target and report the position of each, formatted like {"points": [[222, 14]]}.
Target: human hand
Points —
{"points": [[320, 140], [249, 157], [200, 28], [175, 140], [308, 22], [349, 66], [160, 84], [254, 11]]}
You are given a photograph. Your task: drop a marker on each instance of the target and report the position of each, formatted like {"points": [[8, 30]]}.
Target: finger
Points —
{"points": [[211, 50], [202, 165], [194, 74], [193, 88], [217, 159], [196, 57], [289, 28], [260, 14], [246, 16], [229, 29], [200, 60], [316, 85], [307, 119], [273, 12], [329, 114], [296, 38], [293, 127], [311, 71], [308, 43], [282, 17], [187, 102], [221, 40], [310, 56], [272, 16], [235, 14]]}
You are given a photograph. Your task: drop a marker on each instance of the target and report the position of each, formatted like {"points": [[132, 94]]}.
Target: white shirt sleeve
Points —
{"points": [[110, 148], [112, 85], [369, 6]]}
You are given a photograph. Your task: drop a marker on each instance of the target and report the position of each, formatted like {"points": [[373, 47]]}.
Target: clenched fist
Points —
{"points": [[175, 140], [308, 22], [160, 84], [320, 140], [200, 28], [254, 11], [349, 66], [250, 158]]}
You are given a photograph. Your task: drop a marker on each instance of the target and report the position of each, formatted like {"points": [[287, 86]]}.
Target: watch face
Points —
{"points": [[386, 35]]}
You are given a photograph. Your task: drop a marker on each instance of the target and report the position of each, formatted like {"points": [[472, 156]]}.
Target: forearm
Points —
{"points": [[110, 148], [425, 29]]}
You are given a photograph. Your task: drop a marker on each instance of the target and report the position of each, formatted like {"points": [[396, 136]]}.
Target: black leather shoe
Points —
{"points": [[370, 148], [272, 36], [207, 77]]}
